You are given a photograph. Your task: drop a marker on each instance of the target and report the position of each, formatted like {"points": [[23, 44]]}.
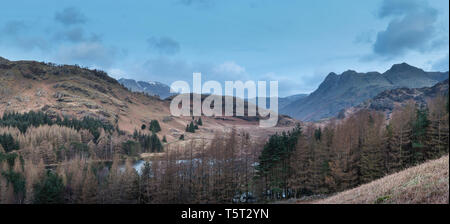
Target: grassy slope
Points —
{"points": [[426, 183]]}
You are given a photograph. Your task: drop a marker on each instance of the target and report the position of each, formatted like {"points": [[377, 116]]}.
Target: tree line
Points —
{"points": [[344, 154], [58, 164], [36, 119]]}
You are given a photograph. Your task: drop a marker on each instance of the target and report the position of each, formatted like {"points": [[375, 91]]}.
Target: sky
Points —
{"points": [[297, 43]]}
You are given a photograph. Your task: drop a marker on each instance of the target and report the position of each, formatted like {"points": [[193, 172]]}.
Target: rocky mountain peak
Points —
{"points": [[403, 67], [350, 88]]}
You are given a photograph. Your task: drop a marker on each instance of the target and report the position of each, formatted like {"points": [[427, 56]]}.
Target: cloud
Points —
{"points": [[441, 64], [164, 45], [17, 34], [31, 43], [229, 67], [88, 54], [168, 70], [398, 7], [412, 28], [75, 35], [365, 37], [70, 16], [67, 44], [286, 85], [14, 27], [197, 3]]}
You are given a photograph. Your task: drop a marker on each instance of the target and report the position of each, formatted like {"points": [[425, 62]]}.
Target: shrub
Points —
{"points": [[8, 143]]}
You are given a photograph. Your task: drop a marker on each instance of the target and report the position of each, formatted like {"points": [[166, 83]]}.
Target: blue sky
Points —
{"points": [[295, 42]]}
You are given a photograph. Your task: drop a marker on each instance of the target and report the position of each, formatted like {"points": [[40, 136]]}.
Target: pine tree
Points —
{"points": [[438, 130], [146, 184], [191, 127], [90, 186], [154, 126], [300, 164], [392, 153], [401, 120], [419, 135], [50, 190], [8, 143], [372, 164], [155, 143]]}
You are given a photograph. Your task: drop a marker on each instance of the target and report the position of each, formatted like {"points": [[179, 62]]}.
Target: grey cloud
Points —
{"points": [[168, 70], [79, 47], [31, 43], [411, 28], [14, 27], [15, 32], [89, 54], [164, 45], [75, 35], [398, 7], [286, 85], [70, 16], [441, 64], [198, 3], [365, 37]]}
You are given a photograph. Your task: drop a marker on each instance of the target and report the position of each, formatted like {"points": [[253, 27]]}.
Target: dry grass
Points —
{"points": [[427, 183]]}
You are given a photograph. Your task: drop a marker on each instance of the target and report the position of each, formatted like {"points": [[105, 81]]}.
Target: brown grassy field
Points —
{"points": [[427, 183]]}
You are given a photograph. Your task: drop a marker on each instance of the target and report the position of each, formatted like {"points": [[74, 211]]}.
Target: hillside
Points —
{"points": [[387, 100], [351, 88], [72, 91], [284, 101], [426, 183], [67, 90]]}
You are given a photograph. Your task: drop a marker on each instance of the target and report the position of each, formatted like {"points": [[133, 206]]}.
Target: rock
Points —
{"points": [[40, 93], [128, 100], [92, 106], [59, 95], [167, 119]]}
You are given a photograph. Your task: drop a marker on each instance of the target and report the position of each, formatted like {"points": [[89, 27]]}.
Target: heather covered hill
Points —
{"points": [[351, 88], [72, 91], [423, 184], [387, 100], [67, 90]]}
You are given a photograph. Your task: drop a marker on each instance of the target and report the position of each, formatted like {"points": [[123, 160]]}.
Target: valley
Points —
{"points": [[81, 129]]}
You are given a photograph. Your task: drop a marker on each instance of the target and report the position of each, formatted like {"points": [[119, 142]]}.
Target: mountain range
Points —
{"points": [[152, 88], [351, 88], [71, 90]]}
